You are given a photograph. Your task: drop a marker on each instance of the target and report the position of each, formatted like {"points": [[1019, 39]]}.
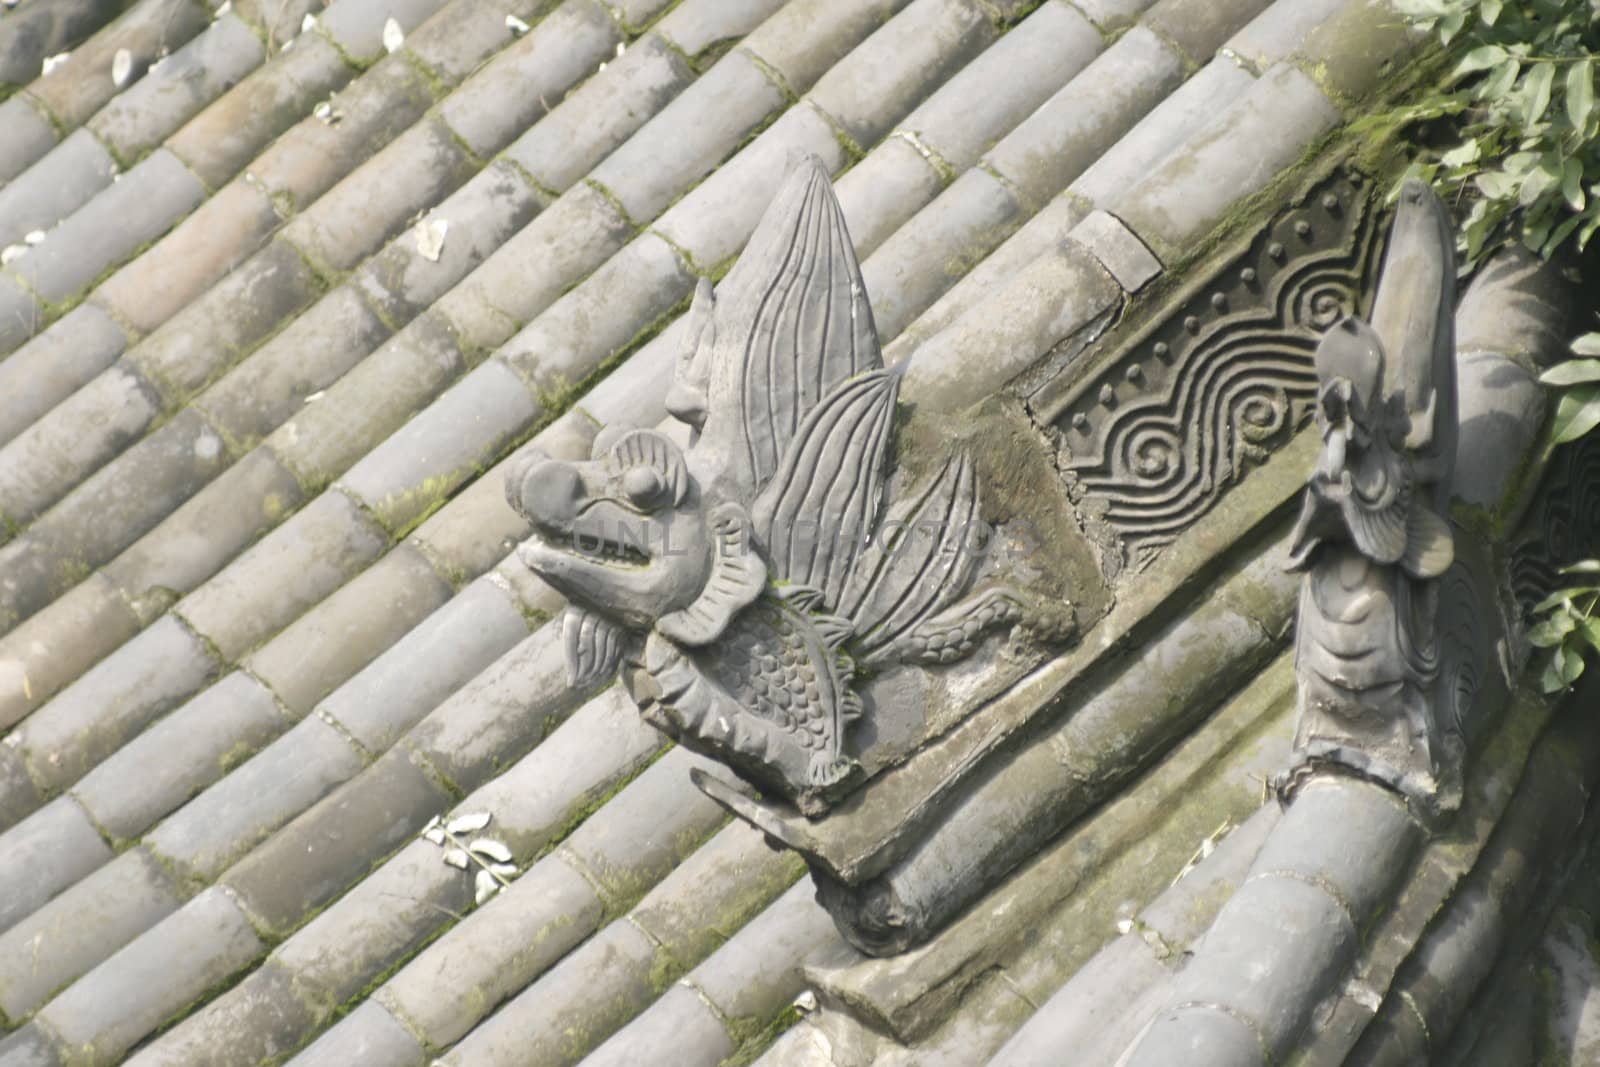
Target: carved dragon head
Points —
{"points": [[1385, 395], [746, 576]]}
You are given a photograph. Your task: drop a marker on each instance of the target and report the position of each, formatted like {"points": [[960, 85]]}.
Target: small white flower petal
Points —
{"points": [[52, 62], [306, 23], [467, 824], [34, 237], [121, 67], [485, 886], [516, 25], [430, 239], [491, 849], [7, 254], [456, 858], [393, 35]]}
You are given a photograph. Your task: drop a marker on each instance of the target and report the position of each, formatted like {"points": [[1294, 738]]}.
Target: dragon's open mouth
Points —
{"points": [[597, 546]]}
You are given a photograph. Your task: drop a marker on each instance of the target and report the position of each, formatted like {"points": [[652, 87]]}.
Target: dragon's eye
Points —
{"points": [[645, 487]]}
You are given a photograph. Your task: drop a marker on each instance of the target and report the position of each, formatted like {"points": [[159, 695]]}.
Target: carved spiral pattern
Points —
{"points": [[1246, 384]]}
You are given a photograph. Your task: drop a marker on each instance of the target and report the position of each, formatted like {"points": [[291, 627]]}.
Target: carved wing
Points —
{"points": [[919, 562], [789, 324], [818, 509]]}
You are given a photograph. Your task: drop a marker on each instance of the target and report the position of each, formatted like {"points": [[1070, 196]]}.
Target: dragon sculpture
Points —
{"points": [[1373, 536], [741, 582]]}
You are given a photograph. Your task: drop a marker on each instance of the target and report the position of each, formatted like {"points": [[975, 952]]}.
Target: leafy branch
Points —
{"points": [[1569, 629], [491, 857]]}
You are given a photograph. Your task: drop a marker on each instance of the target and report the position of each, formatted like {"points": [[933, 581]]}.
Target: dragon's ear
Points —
{"points": [[737, 578]]}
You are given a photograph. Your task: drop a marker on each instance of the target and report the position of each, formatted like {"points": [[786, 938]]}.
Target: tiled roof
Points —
{"points": [[310, 284]]}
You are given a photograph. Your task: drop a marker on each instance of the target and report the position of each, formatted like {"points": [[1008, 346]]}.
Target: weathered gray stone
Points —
{"points": [[51, 649], [601, 113], [375, 396], [888, 187], [52, 366], [1199, 27], [715, 219], [333, 844], [376, 108], [1061, 296], [126, 497], [477, 219], [885, 77], [197, 253], [78, 89], [805, 38], [433, 454], [198, 539], [47, 459], [278, 24], [681, 1021], [203, 340], [50, 189], [566, 241], [1243, 149], [1356, 52], [357, 25], [430, 661], [502, 713], [119, 697], [1279, 31], [1123, 256], [726, 883], [476, 530], [29, 135], [22, 315], [1172, 122], [29, 1047], [311, 353], [30, 36], [221, 140], [646, 830], [1004, 85], [696, 28], [367, 1035], [121, 218], [86, 924], [44, 853], [557, 352], [288, 571], [1111, 15], [924, 258], [529, 78], [690, 136], [371, 928], [458, 40], [221, 825], [184, 753], [142, 115], [1200, 1034], [19, 793], [1059, 141], [355, 217], [260, 1020], [460, 979], [558, 1018]]}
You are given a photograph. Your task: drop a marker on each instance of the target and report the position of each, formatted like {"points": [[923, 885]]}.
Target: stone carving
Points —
{"points": [[741, 582], [1373, 537], [1154, 436]]}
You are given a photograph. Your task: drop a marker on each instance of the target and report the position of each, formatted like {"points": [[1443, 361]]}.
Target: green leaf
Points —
{"points": [[1572, 184], [1583, 566], [1580, 92], [1550, 679], [1536, 91], [1587, 345], [1577, 414], [1589, 631], [1571, 665], [1485, 57], [1572, 372], [1498, 84], [1489, 11]]}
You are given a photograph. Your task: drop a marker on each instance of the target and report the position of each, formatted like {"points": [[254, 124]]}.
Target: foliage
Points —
{"points": [[1570, 628], [1522, 92], [1526, 157]]}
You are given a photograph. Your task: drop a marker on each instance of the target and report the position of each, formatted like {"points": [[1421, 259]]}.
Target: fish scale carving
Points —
{"points": [[1156, 432]]}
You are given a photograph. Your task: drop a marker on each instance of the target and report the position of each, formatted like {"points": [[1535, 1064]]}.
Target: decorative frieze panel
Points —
{"points": [[1152, 434]]}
